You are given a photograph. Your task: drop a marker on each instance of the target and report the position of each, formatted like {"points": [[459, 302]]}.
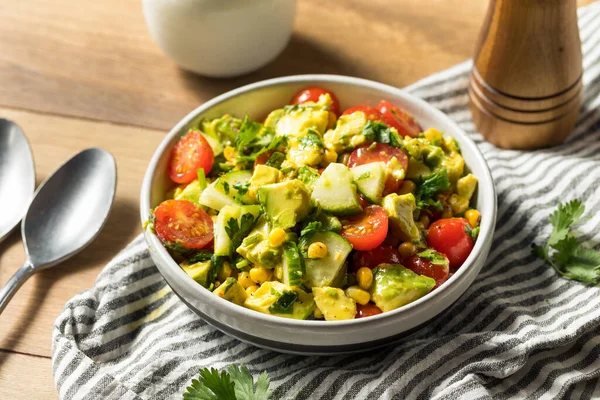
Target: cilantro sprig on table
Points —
{"points": [[236, 383], [564, 252]]}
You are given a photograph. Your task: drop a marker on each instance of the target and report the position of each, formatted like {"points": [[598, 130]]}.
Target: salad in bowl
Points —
{"points": [[316, 212]]}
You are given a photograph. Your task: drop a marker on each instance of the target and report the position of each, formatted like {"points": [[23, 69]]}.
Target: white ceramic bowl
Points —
{"points": [[220, 38], [317, 337]]}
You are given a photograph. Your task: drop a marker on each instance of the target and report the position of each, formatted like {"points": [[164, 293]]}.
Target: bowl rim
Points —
{"points": [[485, 179]]}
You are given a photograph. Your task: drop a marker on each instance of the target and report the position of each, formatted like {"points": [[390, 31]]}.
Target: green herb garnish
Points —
{"points": [[236, 383]]}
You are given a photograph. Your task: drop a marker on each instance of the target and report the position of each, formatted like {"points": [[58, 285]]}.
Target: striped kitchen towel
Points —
{"points": [[520, 331]]}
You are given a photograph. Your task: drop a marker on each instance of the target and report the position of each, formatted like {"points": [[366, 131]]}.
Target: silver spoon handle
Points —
{"points": [[14, 283]]}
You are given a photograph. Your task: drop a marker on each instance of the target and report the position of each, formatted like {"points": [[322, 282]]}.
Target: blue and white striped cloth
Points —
{"points": [[520, 331]]}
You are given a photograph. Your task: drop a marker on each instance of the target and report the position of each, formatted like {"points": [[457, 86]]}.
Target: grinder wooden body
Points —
{"points": [[526, 83]]}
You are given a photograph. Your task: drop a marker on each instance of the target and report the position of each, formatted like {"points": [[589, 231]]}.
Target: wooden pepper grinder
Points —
{"points": [[525, 87]]}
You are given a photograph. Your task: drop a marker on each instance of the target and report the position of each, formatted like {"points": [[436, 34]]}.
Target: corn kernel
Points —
{"points": [[317, 250], [424, 219], [359, 295], [364, 276], [332, 120], [252, 193], [407, 187], [458, 204], [229, 153], [260, 275], [244, 279], [277, 237], [474, 217], [225, 272], [318, 314], [407, 249], [433, 135], [330, 156], [251, 289]]}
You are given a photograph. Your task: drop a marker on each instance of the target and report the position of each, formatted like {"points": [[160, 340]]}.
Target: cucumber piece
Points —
{"points": [[226, 185], [324, 271], [370, 180], [293, 265], [212, 198], [335, 191], [224, 245]]}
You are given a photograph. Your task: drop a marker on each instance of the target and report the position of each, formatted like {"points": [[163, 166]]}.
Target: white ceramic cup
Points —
{"points": [[220, 38]]}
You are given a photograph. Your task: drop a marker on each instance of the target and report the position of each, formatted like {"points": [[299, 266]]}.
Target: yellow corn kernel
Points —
{"points": [[317, 250], [364, 276], [407, 249], [277, 237], [225, 272], [260, 275], [407, 187], [332, 120], [244, 279], [474, 217], [318, 314], [458, 204], [424, 219], [359, 295], [229, 153], [433, 135], [330, 156], [251, 289]]}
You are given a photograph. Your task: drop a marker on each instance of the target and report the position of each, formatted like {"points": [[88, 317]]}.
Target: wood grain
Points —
{"points": [[27, 321], [26, 377]]}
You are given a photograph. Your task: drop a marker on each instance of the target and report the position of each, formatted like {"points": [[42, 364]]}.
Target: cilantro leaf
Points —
{"points": [[199, 256], [434, 257], [211, 386], [430, 186], [308, 176], [311, 139], [238, 230], [248, 132], [375, 131], [245, 388], [312, 227], [564, 252], [242, 188]]}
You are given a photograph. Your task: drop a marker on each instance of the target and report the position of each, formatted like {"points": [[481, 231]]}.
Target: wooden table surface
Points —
{"points": [[76, 74]]}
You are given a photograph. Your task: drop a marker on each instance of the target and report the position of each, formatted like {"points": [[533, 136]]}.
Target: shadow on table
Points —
{"points": [[301, 56], [122, 223]]}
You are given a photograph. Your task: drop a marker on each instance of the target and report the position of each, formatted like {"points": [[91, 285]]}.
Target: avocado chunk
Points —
{"points": [[294, 120], [263, 175], [285, 203], [455, 165], [394, 286], [232, 291], [348, 133], [198, 271], [400, 212], [276, 298], [307, 149], [334, 304], [191, 192], [465, 187], [257, 249]]}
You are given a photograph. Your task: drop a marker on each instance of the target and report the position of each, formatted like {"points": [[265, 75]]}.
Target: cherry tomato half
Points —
{"points": [[312, 94], [184, 223], [423, 266], [404, 122], [191, 152], [449, 236], [383, 254], [372, 113], [366, 230], [367, 310], [380, 152]]}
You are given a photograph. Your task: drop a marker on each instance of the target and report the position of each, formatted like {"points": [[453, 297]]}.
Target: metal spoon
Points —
{"points": [[17, 176], [65, 215]]}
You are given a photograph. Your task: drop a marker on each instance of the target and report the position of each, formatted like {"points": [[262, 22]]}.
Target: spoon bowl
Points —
{"points": [[17, 176], [66, 214]]}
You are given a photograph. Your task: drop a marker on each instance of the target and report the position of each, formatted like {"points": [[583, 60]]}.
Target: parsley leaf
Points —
{"points": [[236, 383], [375, 131], [570, 258], [238, 230], [429, 186]]}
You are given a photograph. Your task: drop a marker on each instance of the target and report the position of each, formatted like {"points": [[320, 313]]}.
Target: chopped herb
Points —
{"points": [[285, 303], [199, 256], [217, 266], [570, 258], [242, 188], [236, 383], [237, 231], [275, 160], [434, 257], [364, 175], [429, 186], [308, 176], [225, 186], [379, 132], [311, 139], [177, 248], [312, 227]]}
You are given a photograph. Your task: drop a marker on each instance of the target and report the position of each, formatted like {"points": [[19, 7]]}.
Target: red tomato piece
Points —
{"points": [[366, 230], [367, 310], [449, 236], [423, 266], [263, 158], [191, 152], [184, 223], [312, 94], [380, 152], [383, 254], [396, 117], [372, 113]]}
